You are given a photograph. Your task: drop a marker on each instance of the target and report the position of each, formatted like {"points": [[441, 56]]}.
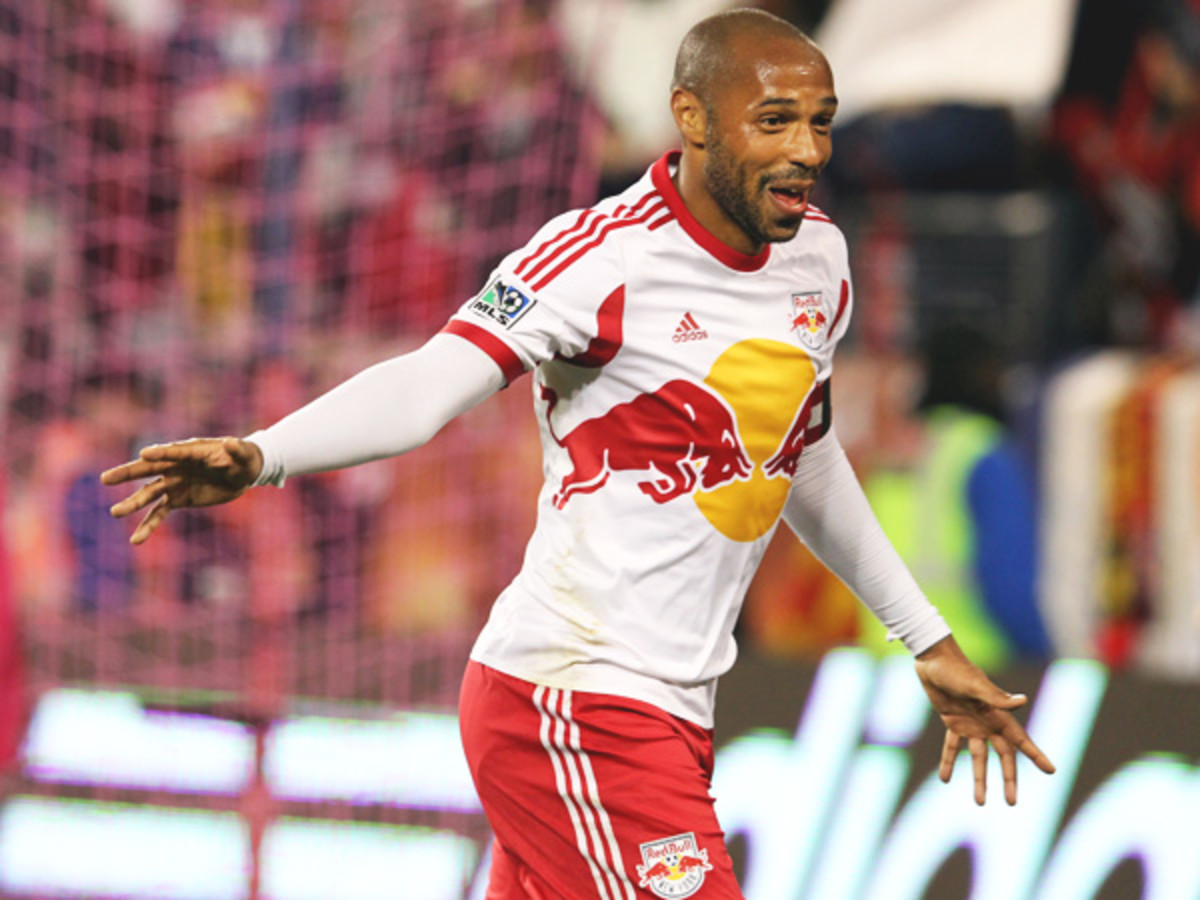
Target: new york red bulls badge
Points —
{"points": [[673, 867], [810, 321]]}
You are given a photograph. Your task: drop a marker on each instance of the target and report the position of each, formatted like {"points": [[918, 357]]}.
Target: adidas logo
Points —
{"points": [[689, 330]]}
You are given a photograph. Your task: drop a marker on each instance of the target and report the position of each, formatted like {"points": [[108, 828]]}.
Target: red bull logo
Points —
{"points": [[809, 320], [673, 867], [683, 436], [731, 443]]}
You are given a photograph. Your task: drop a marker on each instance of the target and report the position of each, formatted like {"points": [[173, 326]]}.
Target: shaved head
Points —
{"points": [[715, 51], [754, 102]]}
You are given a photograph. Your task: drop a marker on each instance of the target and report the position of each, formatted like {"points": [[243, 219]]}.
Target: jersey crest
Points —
{"points": [[810, 319]]}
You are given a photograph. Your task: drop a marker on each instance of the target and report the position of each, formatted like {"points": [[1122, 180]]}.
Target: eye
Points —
{"points": [[772, 121], [822, 123]]}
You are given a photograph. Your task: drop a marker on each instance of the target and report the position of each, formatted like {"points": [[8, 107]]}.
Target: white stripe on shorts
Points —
{"points": [[585, 809], [594, 796]]}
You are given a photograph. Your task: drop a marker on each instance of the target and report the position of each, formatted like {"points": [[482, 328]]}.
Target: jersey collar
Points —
{"points": [[660, 175]]}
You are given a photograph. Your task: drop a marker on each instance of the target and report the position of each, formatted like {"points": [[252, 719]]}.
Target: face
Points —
{"points": [[767, 138]]}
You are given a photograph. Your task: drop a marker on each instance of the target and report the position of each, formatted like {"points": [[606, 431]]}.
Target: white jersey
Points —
{"points": [[676, 382]]}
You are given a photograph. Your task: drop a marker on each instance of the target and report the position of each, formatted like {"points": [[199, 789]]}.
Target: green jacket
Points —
{"points": [[925, 513]]}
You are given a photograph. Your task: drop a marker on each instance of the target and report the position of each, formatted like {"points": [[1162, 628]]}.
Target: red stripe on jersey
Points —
{"points": [[660, 174], [566, 231], [502, 355], [817, 215], [595, 242], [565, 239], [668, 216], [609, 333], [842, 301], [592, 228]]}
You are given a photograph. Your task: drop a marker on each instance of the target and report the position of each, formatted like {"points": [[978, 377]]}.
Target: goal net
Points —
{"points": [[210, 212]]}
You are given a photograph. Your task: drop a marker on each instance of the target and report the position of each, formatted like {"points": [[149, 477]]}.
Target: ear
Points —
{"points": [[691, 118]]}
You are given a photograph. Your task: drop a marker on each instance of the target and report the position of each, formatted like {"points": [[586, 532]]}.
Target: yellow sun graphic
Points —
{"points": [[765, 383]]}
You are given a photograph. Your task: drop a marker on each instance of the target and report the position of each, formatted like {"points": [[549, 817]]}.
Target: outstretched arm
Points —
{"points": [[384, 410], [828, 510]]}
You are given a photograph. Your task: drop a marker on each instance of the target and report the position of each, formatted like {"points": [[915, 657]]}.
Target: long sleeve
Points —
{"points": [[828, 510], [385, 410]]}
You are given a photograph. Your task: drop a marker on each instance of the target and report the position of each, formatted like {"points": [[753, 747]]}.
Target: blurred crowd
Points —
{"points": [[1125, 134], [210, 211]]}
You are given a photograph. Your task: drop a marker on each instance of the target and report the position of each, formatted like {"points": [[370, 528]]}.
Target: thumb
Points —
{"points": [[1002, 699]]}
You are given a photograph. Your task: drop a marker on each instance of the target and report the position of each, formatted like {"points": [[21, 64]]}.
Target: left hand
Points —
{"points": [[977, 711]]}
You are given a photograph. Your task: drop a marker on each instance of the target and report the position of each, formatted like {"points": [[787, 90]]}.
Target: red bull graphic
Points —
{"points": [[732, 442], [673, 867], [809, 319], [667, 433], [810, 423]]}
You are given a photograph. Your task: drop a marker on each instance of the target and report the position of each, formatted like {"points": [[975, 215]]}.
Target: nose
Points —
{"points": [[807, 148]]}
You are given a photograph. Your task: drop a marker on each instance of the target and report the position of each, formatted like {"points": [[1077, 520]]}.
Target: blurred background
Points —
{"points": [[212, 211]]}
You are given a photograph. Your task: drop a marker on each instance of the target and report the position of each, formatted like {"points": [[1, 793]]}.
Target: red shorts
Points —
{"points": [[591, 795]]}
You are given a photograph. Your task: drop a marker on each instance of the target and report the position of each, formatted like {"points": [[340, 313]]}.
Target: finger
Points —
{"points": [[191, 450], [1008, 766], [1005, 700], [140, 499], [1026, 745], [151, 521], [989, 693], [1015, 735], [949, 754], [978, 748], [134, 471], [118, 474]]}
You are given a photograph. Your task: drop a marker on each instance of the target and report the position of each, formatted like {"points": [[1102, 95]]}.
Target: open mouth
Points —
{"points": [[791, 199]]}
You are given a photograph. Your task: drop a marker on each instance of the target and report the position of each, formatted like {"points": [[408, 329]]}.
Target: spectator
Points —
{"points": [[1133, 150], [933, 96], [513, 124], [108, 404], [962, 514]]}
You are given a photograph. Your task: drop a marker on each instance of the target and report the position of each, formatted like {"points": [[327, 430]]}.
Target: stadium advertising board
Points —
{"points": [[824, 780], [844, 801]]}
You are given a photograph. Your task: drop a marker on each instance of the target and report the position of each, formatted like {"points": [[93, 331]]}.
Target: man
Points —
{"points": [[961, 513], [680, 337]]}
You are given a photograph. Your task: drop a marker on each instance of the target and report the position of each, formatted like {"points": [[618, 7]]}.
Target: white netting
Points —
{"points": [[209, 212]]}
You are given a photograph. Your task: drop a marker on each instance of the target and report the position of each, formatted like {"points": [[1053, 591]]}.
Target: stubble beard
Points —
{"points": [[726, 182]]}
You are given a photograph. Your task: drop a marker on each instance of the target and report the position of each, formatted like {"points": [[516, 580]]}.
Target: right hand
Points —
{"points": [[195, 472]]}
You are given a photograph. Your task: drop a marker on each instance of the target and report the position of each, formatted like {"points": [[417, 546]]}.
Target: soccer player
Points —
{"points": [[680, 337]]}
